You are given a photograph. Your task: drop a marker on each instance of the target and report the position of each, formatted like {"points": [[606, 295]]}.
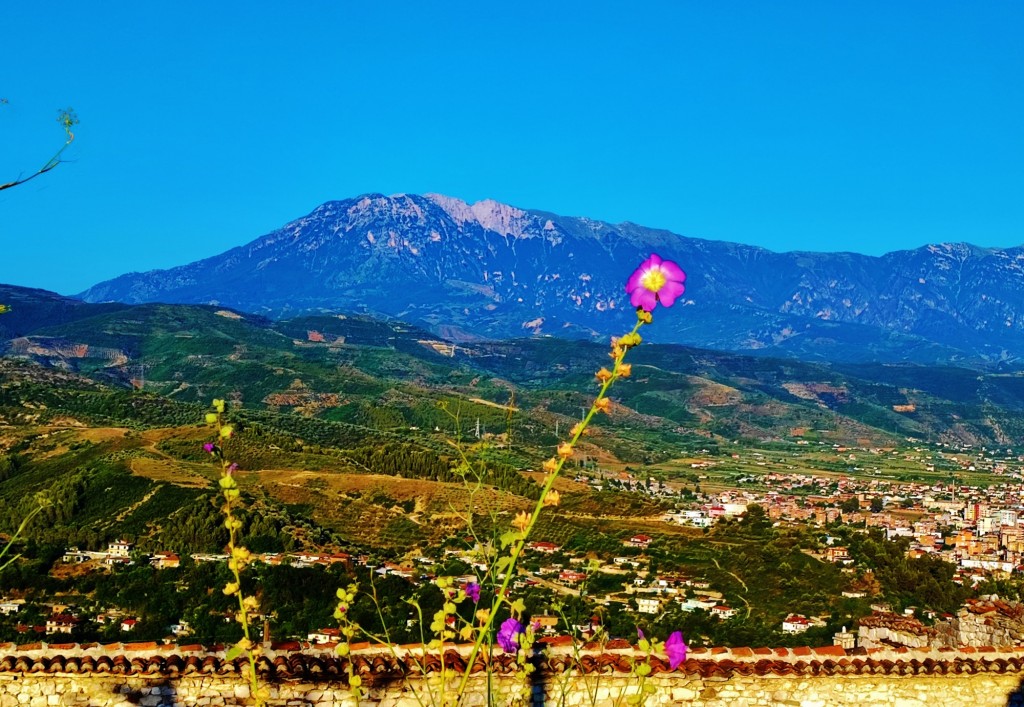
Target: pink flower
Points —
{"points": [[655, 281], [209, 447], [675, 649], [508, 635]]}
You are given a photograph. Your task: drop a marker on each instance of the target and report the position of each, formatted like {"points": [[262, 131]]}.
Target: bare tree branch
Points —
{"points": [[67, 120]]}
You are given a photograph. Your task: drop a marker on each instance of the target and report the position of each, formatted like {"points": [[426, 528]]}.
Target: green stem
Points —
{"points": [[235, 563], [243, 610], [14, 538], [549, 483]]}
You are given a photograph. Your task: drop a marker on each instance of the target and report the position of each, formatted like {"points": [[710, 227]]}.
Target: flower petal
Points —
{"points": [[508, 635], [675, 649], [667, 295], [642, 297], [634, 280], [673, 271]]}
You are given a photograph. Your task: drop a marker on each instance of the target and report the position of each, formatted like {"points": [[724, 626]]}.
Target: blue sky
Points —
{"points": [[868, 126]]}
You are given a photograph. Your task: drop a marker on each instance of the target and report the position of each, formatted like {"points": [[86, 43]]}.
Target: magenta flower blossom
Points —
{"points": [[655, 281], [209, 447], [508, 635], [473, 591], [675, 649]]}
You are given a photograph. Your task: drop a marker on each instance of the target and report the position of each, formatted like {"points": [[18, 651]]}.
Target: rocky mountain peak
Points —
{"points": [[489, 214], [494, 270]]}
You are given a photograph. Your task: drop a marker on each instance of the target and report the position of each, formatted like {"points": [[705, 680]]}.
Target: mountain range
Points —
{"points": [[388, 375], [492, 271]]}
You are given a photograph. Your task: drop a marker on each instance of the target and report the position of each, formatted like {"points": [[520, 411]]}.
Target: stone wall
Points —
{"points": [[981, 622], [990, 622], [742, 677]]}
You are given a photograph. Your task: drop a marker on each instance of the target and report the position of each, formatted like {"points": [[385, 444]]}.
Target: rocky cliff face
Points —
{"points": [[492, 270]]}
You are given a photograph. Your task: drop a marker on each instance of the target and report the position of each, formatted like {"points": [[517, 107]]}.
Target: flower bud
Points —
{"points": [[522, 521]]}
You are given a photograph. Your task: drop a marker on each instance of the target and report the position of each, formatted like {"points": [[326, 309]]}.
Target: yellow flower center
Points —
{"points": [[653, 280]]}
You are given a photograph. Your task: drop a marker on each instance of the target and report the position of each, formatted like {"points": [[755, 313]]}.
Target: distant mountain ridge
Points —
{"points": [[496, 271]]}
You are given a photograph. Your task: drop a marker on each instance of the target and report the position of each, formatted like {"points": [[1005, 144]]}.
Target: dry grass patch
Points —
{"points": [[163, 471], [351, 503], [563, 484]]}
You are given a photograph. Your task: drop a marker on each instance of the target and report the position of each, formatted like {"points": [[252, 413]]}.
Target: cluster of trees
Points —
{"points": [[99, 405], [413, 462], [924, 582]]}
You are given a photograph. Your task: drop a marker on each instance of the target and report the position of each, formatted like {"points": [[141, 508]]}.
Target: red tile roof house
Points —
{"points": [[571, 577], [641, 541], [795, 624], [154, 674], [545, 547], [129, 624], [62, 623]]}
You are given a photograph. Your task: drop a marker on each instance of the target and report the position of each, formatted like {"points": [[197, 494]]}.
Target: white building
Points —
{"points": [[324, 635], [723, 612], [795, 624], [648, 606], [120, 548], [11, 606]]}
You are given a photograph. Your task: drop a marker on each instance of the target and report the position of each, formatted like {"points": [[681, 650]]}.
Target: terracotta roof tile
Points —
{"points": [[285, 646], [141, 646], [324, 666], [830, 650]]}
